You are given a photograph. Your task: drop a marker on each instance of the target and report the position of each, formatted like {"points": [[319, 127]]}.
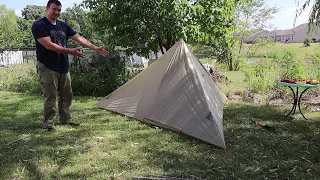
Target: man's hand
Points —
{"points": [[76, 52], [84, 42], [101, 51]]}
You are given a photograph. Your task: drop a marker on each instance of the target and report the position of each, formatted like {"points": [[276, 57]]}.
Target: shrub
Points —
{"points": [[260, 76], [265, 75], [97, 75], [239, 62], [290, 65], [30, 84], [27, 82]]}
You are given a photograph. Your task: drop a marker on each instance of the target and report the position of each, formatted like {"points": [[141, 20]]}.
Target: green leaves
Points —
{"points": [[104, 74], [78, 20], [314, 14], [10, 35], [161, 23], [254, 14], [33, 12]]}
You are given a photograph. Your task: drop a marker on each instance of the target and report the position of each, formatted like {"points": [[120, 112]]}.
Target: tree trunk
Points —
{"points": [[170, 41], [160, 45], [230, 60], [161, 49], [241, 42], [156, 54]]}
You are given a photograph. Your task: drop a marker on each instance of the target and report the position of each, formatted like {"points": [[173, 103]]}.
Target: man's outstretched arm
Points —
{"points": [[84, 42]]}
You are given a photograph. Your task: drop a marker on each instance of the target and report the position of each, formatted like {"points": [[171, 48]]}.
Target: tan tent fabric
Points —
{"points": [[175, 92]]}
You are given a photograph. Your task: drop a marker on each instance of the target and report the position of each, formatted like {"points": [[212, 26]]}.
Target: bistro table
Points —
{"points": [[296, 97]]}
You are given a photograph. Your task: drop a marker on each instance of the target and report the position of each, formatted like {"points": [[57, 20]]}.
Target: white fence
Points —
{"points": [[8, 58]]}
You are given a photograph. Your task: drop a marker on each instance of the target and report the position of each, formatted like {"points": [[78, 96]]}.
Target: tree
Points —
{"points": [[33, 12], [10, 35], [314, 18], [25, 29], [251, 17], [152, 25], [78, 19]]}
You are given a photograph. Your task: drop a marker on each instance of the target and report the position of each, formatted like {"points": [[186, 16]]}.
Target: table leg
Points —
{"points": [[300, 101], [294, 102]]}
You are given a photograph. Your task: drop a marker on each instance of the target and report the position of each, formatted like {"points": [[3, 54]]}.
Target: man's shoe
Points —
{"points": [[73, 124], [50, 129]]}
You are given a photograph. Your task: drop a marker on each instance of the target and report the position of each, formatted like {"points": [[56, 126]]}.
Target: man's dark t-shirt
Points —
{"points": [[59, 34]]}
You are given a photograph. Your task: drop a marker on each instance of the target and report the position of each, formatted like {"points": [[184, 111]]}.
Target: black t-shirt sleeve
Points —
{"points": [[40, 30], [70, 31]]}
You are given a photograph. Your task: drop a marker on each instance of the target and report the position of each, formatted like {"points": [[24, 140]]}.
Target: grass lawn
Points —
{"points": [[280, 47], [19, 69], [109, 146], [236, 83]]}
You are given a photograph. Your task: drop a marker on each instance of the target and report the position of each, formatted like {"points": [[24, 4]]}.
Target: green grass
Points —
{"points": [[207, 61], [236, 83], [280, 47], [18, 69], [107, 145], [20, 78]]}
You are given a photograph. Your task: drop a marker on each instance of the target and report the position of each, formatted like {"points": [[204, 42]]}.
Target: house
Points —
{"points": [[286, 35], [295, 35], [301, 33]]}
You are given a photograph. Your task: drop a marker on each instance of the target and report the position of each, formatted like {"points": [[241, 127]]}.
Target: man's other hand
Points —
{"points": [[101, 51]]}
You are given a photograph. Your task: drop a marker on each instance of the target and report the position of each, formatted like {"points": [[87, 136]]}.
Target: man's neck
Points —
{"points": [[52, 21]]}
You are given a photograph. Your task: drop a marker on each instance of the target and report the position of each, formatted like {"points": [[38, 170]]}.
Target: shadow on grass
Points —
{"points": [[255, 153]]}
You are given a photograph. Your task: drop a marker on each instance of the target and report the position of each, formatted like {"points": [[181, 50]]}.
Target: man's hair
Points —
{"points": [[57, 2]]}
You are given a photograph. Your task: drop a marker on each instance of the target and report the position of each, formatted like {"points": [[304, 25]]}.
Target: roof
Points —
{"points": [[276, 31], [285, 32], [301, 27]]}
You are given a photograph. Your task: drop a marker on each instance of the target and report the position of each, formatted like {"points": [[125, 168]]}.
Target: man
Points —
{"points": [[51, 37]]}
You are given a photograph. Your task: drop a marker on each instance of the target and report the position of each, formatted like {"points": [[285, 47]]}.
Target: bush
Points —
{"points": [[260, 76], [30, 84], [313, 60], [290, 65], [26, 82], [97, 75], [265, 75]]}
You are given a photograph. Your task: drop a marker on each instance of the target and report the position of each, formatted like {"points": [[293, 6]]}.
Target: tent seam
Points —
{"points": [[206, 101], [170, 64]]}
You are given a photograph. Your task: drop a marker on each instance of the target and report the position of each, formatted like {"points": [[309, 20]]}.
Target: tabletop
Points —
{"points": [[300, 85]]}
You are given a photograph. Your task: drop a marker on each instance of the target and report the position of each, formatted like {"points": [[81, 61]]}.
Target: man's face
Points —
{"points": [[53, 11]]}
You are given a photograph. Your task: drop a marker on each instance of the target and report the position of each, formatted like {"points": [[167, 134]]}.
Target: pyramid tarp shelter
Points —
{"points": [[175, 92]]}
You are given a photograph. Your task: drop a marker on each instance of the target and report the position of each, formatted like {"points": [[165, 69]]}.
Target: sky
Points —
{"points": [[284, 19]]}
